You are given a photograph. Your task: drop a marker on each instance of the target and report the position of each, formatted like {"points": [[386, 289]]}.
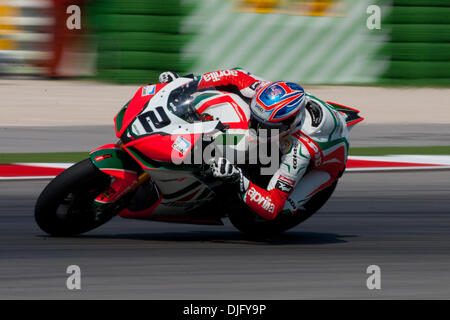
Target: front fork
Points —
{"points": [[127, 175]]}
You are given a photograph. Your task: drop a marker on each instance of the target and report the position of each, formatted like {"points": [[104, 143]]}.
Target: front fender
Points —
{"points": [[113, 161], [111, 157]]}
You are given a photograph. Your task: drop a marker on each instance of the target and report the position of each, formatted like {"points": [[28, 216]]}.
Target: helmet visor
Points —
{"points": [[257, 123]]}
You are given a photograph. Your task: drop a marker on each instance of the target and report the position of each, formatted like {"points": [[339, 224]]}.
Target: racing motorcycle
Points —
{"points": [[150, 173]]}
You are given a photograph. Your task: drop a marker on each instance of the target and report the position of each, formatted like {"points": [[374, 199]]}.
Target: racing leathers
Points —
{"points": [[313, 155]]}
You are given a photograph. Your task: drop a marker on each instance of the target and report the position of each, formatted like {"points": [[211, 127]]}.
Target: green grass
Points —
{"points": [[362, 151]]}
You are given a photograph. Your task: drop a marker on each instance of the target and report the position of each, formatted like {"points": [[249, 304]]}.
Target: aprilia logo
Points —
{"points": [[263, 202], [216, 75]]}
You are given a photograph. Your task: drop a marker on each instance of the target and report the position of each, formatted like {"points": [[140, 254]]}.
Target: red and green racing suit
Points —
{"points": [[313, 155]]}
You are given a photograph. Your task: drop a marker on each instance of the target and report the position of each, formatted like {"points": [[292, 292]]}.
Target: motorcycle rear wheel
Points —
{"points": [[66, 205], [253, 226]]}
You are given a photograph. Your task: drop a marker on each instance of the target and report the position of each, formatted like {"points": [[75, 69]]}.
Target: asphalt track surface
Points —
{"points": [[86, 138], [398, 221]]}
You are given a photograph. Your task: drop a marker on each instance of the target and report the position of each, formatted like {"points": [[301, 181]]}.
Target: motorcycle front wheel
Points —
{"points": [[66, 206]]}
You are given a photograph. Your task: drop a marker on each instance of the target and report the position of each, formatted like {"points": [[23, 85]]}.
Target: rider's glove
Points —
{"points": [[223, 169], [167, 76]]}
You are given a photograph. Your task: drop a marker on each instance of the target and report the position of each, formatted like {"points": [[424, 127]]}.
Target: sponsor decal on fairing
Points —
{"points": [[148, 90], [181, 145]]}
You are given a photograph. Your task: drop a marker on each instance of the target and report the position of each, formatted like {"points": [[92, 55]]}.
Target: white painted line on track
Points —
{"points": [[26, 178], [441, 162]]}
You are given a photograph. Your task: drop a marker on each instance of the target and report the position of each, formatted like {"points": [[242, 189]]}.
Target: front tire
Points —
{"points": [[66, 205]]}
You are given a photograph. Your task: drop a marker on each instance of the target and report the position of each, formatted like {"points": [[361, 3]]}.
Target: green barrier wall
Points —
{"points": [[297, 45], [419, 45], [137, 39]]}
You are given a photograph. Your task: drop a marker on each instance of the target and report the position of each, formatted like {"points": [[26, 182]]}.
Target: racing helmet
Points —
{"points": [[278, 105]]}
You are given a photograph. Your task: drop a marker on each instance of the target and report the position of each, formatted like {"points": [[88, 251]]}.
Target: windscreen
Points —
{"points": [[181, 102]]}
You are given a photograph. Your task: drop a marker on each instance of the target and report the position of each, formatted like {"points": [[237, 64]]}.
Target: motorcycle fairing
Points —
{"points": [[143, 214], [164, 147], [177, 197], [151, 165], [116, 163], [156, 134], [168, 138], [129, 112], [350, 114]]}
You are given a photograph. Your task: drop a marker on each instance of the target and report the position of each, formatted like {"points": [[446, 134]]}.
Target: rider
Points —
{"points": [[313, 141]]}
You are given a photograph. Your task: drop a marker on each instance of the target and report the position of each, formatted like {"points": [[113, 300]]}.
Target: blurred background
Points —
{"points": [[310, 41], [60, 89]]}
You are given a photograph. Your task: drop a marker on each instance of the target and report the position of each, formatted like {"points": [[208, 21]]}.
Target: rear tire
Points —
{"points": [[66, 205], [254, 226]]}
